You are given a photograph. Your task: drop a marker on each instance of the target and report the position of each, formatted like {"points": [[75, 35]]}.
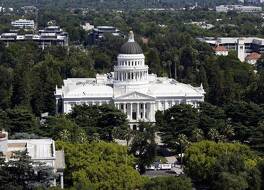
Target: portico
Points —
{"points": [[137, 110]]}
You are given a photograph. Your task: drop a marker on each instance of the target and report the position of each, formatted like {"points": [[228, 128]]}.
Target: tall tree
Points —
{"points": [[22, 173], [180, 119], [98, 119], [5, 86], [143, 145]]}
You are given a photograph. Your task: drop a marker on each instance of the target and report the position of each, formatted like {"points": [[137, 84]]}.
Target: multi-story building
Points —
{"points": [[130, 88], [237, 8], [52, 35], [23, 24], [243, 46], [99, 32]]}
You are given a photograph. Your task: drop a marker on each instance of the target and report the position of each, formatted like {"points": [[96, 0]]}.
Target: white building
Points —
{"points": [[39, 150], [51, 35], [252, 58], [243, 46], [237, 8], [23, 23], [130, 88], [220, 50]]}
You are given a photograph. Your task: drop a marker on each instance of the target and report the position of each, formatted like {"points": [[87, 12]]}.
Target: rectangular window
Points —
{"points": [[134, 115]]}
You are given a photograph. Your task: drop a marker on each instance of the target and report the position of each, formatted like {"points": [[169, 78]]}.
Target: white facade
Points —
{"points": [[221, 53], [238, 8], [130, 88], [23, 23]]}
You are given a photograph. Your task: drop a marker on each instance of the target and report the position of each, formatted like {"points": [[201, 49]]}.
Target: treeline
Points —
{"points": [[29, 76], [117, 4]]}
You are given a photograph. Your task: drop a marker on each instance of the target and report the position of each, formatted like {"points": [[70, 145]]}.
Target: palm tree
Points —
{"points": [[214, 135], [182, 140], [228, 131], [65, 135], [197, 135]]}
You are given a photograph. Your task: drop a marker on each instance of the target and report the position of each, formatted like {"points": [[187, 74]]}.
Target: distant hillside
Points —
{"points": [[113, 3]]}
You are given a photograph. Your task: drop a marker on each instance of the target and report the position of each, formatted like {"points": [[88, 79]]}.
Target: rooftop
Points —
{"points": [[253, 56], [220, 48]]}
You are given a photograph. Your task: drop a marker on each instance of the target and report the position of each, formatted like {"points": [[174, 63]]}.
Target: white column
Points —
{"points": [[61, 180], [57, 104], [166, 104], [130, 111], [153, 111], [124, 108], [144, 110], [138, 115], [150, 111]]}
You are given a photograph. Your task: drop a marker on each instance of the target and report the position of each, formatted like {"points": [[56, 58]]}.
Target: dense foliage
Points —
{"points": [[100, 165], [223, 166], [168, 183], [238, 121], [20, 174]]}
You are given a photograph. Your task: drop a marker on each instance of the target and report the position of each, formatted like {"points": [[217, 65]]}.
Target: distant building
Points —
{"points": [[87, 26], [203, 25], [23, 24], [237, 8], [130, 88], [252, 58], [98, 32], [39, 150], [220, 50], [52, 35], [243, 46], [29, 9]]}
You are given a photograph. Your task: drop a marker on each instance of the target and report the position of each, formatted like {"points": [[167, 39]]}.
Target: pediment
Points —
{"points": [[135, 96]]}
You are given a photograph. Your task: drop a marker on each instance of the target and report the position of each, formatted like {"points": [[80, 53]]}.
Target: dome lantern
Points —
{"points": [[131, 46]]}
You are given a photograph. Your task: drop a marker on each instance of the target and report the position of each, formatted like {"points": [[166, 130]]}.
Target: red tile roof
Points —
{"points": [[253, 56], [219, 48]]}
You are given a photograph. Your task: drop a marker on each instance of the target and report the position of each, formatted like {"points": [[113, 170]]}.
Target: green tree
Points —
{"points": [[180, 119], [5, 86], [168, 183], [98, 119], [22, 173], [209, 163], [244, 117], [46, 78], [21, 87], [197, 135], [183, 142], [228, 181], [256, 140], [20, 120], [143, 145], [55, 125], [100, 165]]}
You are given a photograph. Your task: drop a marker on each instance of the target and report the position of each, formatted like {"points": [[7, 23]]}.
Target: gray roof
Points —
{"points": [[131, 48]]}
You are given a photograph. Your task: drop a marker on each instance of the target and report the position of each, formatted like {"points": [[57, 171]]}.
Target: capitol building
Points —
{"points": [[130, 88]]}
